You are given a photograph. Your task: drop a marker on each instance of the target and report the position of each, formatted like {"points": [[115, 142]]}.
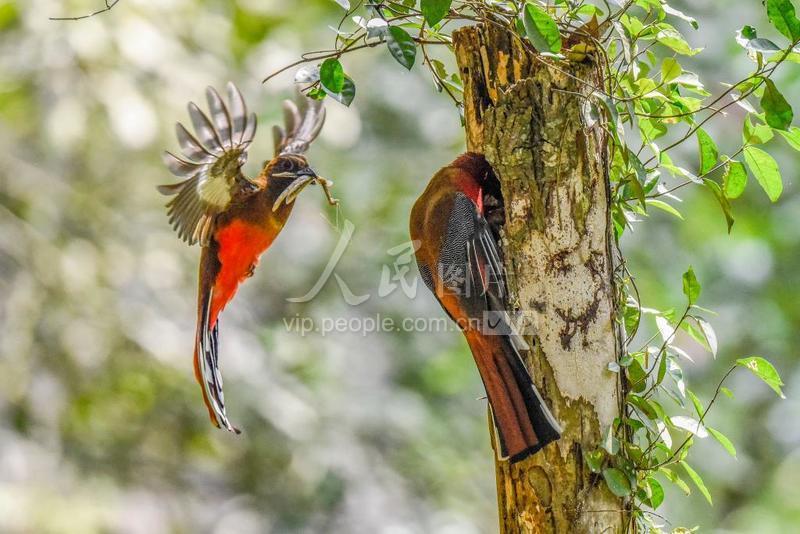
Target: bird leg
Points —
{"points": [[326, 187]]}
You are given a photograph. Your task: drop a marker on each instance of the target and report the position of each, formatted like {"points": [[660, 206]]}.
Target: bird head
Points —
{"points": [[288, 166], [287, 175]]}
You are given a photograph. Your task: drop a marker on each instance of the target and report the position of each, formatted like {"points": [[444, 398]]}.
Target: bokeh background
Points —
{"points": [[101, 424]]}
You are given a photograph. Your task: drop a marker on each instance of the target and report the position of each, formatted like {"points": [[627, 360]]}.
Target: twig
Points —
{"points": [[325, 54], [109, 6], [687, 182]]}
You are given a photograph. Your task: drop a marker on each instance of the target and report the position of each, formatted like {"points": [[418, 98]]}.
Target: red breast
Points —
{"points": [[240, 245]]}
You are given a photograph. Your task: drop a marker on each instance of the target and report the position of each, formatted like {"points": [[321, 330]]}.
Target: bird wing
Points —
{"points": [[469, 261], [210, 165], [303, 119]]}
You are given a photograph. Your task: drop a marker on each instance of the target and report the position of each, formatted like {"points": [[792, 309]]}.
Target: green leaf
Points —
{"points": [[723, 440], [642, 404], [632, 318], [765, 46], [727, 392], [541, 29], [617, 481], [590, 114], [401, 46], [331, 75], [651, 128], [317, 93], [610, 442], [698, 481], [594, 460], [344, 3], [792, 137], [749, 40], [611, 112], [675, 479], [698, 407], [9, 15], [778, 112], [675, 13], [748, 32], [670, 69], [722, 199], [376, 27], [756, 134], [686, 448], [435, 10], [347, 94], [734, 180], [793, 57], [708, 334], [656, 493], [689, 424], [781, 14], [588, 10], [671, 38], [662, 369], [636, 182], [763, 370], [766, 171], [709, 155], [691, 287], [664, 207], [637, 377]]}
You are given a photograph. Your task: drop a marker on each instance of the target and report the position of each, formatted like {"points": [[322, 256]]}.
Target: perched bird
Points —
{"points": [[234, 218], [454, 227]]}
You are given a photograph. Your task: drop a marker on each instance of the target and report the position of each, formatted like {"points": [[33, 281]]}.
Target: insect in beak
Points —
{"points": [[304, 177]]}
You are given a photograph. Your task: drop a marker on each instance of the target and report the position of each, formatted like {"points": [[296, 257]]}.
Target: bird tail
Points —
{"points": [[206, 362], [522, 420], [198, 375]]}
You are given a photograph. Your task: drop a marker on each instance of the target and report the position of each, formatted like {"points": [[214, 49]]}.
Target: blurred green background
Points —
{"points": [[102, 428]]}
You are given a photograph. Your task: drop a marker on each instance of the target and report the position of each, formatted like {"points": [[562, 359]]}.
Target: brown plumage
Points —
{"points": [[459, 260], [235, 219]]}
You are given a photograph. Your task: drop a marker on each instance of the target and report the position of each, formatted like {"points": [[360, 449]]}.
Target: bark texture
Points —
{"points": [[523, 113]]}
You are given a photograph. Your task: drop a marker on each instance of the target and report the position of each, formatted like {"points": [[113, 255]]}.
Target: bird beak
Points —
{"points": [[303, 178], [306, 171]]}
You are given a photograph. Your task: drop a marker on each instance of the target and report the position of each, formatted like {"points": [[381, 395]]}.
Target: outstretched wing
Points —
{"points": [[303, 120], [210, 166]]}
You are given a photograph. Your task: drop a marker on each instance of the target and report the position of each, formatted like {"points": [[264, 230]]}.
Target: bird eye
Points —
{"points": [[285, 165]]}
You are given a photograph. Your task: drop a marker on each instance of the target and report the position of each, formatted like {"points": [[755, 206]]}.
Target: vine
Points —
{"points": [[647, 99]]}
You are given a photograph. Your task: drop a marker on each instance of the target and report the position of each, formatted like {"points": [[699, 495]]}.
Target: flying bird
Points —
{"points": [[234, 218], [454, 225]]}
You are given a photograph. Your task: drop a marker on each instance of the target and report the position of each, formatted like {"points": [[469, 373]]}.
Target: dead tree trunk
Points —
{"points": [[524, 113]]}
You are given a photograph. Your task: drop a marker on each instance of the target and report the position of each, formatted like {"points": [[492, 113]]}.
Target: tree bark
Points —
{"points": [[524, 112]]}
